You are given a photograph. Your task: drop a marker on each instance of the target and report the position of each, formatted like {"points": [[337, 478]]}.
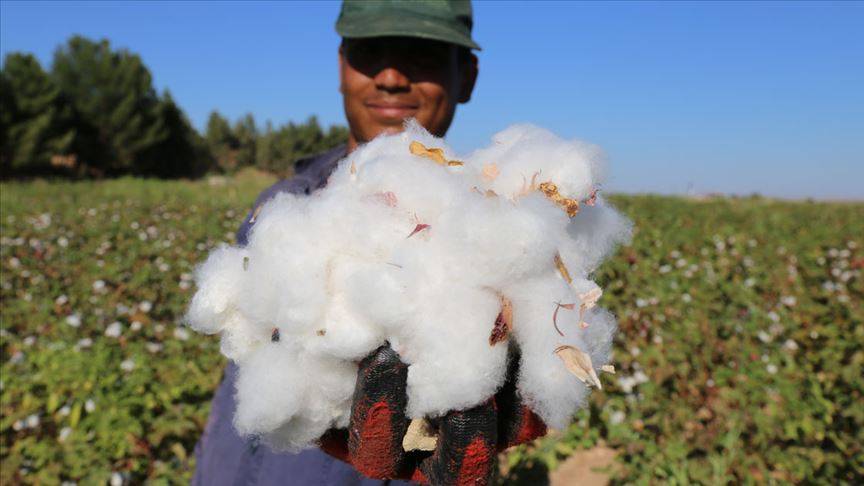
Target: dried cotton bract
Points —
{"points": [[450, 262]]}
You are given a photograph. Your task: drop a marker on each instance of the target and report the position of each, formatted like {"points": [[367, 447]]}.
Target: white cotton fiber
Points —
{"points": [[413, 246]]}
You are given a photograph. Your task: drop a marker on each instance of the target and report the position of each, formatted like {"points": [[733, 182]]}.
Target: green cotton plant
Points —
{"points": [[738, 358]]}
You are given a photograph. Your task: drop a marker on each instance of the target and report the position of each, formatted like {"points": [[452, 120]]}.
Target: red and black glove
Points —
{"points": [[468, 440]]}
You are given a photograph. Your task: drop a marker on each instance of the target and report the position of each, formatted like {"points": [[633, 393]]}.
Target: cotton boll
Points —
{"points": [[387, 146], [280, 387], [496, 240], [526, 153], [451, 363], [592, 234], [598, 335], [269, 393], [409, 250], [420, 186], [219, 280], [285, 269], [343, 332], [378, 295], [544, 383], [240, 337]]}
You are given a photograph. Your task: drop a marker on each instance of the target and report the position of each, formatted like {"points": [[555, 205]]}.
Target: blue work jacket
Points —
{"points": [[225, 458]]}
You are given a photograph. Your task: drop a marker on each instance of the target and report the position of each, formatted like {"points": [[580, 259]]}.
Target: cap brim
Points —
{"points": [[378, 26]]}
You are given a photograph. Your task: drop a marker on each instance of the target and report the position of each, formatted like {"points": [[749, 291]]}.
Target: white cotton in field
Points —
{"points": [[411, 245]]}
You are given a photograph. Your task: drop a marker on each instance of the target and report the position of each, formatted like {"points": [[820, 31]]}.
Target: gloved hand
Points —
{"points": [[467, 440]]}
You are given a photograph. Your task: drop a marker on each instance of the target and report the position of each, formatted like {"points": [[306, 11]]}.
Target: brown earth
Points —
{"points": [[592, 467]]}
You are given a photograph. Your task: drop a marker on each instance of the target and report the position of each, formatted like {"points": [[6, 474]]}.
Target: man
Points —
{"points": [[397, 60]]}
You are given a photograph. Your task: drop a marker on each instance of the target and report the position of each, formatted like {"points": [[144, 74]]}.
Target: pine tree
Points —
{"points": [[115, 103], [279, 149], [182, 153], [246, 132], [35, 120], [8, 114], [221, 142]]}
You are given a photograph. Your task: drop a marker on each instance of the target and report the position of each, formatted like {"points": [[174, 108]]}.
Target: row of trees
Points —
{"points": [[96, 113], [271, 149]]}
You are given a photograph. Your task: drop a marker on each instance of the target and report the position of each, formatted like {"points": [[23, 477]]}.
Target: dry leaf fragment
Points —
{"points": [[419, 437], [559, 305], [420, 227], [255, 214], [608, 369], [503, 323], [562, 269], [353, 168], [435, 154], [579, 363], [274, 335], [589, 300], [550, 190], [491, 193], [526, 187], [388, 198], [321, 332], [490, 171]]}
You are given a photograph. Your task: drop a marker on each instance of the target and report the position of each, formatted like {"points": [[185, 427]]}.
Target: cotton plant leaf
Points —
{"points": [[579, 363]]}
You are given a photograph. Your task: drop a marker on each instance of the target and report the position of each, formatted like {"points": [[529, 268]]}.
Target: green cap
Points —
{"points": [[442, 20]]}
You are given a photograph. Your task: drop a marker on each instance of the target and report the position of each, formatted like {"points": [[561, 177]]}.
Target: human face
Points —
{"points": [[384, 80]]}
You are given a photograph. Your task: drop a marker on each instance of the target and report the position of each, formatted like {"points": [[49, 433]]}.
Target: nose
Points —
{"points": [[391, 78]]}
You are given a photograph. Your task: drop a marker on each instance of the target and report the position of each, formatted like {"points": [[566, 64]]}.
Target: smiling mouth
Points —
{"points": [[392, 112]]}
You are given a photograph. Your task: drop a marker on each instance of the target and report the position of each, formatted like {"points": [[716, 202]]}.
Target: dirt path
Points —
{"points": [[585, 468]]}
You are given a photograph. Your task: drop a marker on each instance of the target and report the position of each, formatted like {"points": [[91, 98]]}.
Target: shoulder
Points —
{"points": [[310, 173]]}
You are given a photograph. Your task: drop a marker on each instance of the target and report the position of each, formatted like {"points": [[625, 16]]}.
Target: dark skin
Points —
{"points": [[385, 80]]}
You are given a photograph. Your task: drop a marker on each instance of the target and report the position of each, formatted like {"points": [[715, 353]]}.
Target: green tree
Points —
{"points": [[115, 103], [246, 132], [35, 120], [279, 149], [183, 153], [221, 142]]}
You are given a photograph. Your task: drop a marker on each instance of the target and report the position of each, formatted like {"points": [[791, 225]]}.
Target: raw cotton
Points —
{"points": [[412, 245]]}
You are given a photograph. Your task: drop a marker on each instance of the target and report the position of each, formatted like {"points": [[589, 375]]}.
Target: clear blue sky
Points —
{"points": [[730, 97]]}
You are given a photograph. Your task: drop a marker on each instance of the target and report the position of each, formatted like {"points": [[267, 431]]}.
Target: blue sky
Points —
{"points": [[729, 97]]}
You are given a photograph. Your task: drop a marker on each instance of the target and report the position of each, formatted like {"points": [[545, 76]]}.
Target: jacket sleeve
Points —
{"points": [[297, 185]]}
